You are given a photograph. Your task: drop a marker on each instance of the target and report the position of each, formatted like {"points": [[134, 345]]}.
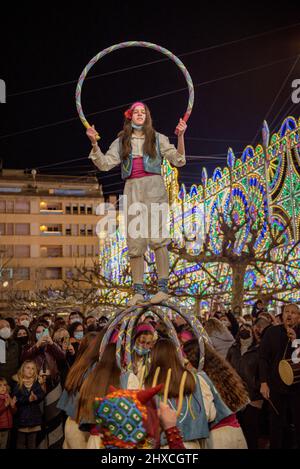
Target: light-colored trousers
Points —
{"points": [[147, 214]]}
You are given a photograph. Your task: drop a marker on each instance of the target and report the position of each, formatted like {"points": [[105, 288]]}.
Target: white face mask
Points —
{"points": [[5, 333], [25, 323]]}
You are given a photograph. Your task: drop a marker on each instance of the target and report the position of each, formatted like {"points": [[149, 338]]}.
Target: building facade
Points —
{"points": [[47, 228]]}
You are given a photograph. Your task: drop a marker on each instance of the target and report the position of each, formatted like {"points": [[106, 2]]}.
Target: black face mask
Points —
{"points": [[22, 340], [244, 334]]}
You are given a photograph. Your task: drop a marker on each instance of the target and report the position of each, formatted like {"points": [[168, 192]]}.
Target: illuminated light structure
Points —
{"points": [[264, 182]]}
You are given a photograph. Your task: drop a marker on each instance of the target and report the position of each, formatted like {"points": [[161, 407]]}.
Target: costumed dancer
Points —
{"points": [[130, 420], [143, 342], [198, 406], [227, 388], [140, 151]]}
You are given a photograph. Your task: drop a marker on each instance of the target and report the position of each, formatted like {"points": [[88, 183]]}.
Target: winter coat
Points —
{"points": [[6, 415], [10, 368], [234, 356], [249, 372], [28, 412], [274, 347], [45, 357]]}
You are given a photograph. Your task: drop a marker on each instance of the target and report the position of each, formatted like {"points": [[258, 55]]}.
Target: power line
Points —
{"points": [[278, 119], [185, 54], [60, 163], [213, 140], [211, 157], [277, 95], [168, 93]]}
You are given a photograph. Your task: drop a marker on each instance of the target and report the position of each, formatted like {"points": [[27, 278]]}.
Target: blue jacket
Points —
{"points": [[192, 421], [68, 403], [222, 411], [28, 414], [151, 165]]}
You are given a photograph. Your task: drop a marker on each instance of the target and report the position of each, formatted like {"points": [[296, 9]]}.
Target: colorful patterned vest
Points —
{"points": [[151, 165]]}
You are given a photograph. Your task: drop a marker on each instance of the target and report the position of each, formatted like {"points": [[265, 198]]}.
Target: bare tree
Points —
{"points": [[272, 252]]}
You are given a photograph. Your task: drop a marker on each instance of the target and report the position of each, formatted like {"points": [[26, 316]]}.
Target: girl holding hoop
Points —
{"points": [[140, 150]]}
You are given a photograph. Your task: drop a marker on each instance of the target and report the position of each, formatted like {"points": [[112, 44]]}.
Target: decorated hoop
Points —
{"points": [[123, 45], [135, 317], [130, 317]]}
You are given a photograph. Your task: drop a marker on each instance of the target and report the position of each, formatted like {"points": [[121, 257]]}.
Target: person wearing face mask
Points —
{"points": [[9, 352], [75, 317], [23, 320], [76, 331], [44, 352], [140, 151], [243, 342], [143, 342], [48, 318], [23, 337]]}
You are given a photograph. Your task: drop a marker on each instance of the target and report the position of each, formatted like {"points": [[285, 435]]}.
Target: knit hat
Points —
{"points": [[128, 419]]}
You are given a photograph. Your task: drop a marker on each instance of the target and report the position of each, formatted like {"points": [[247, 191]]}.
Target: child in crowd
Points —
{"points": [[29, 393], [7, 409]]}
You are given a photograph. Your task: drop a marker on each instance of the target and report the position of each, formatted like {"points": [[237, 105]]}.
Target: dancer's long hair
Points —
{"points": [[164, 355], [149, 132], [226, 380], [89, 354], [105, 374]]}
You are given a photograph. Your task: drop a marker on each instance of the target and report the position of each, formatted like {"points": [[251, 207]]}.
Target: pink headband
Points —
{"points": [[186, 335], [128, 113], [144, 328]]}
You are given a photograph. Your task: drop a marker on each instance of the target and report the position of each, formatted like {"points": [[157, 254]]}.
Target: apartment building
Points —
{"points": [[47, 227]]}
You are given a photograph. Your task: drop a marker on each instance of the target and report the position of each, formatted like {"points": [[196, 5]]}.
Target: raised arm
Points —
{"points": [[170, 152], [181, 128], [107, 161]]}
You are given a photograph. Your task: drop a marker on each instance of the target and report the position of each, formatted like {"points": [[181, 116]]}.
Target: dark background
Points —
{"points": [[44, 47]]}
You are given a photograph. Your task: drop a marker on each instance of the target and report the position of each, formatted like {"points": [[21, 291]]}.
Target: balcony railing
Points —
{"points": [[51, 212]]}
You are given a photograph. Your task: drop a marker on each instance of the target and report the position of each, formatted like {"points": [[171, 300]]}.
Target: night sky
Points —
{"points": [[44, 51]]}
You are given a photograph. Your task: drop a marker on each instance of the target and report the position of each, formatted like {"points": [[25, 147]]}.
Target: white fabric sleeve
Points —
{"points": [[169, 151], [109, 160], [133, 382], [208, 399]]}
